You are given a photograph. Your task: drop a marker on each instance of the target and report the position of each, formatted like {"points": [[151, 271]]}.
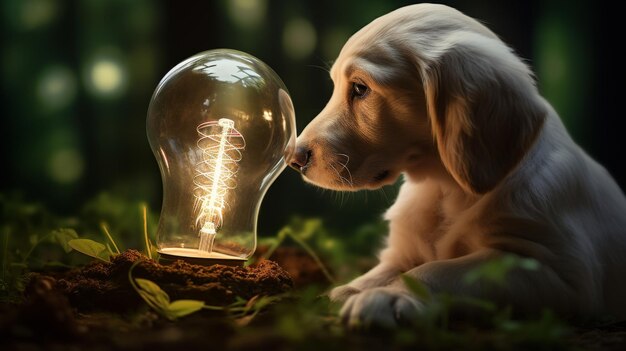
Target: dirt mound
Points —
{"points": [[105, 286]]}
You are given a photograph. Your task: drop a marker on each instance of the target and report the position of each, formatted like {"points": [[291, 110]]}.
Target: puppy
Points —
{"points": [[489, 170]]}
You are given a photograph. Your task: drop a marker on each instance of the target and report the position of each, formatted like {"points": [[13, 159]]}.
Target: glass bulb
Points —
{"points": [[221, 125]]}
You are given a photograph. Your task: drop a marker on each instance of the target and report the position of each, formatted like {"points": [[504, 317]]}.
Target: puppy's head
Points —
{"points": [[422, 90]]}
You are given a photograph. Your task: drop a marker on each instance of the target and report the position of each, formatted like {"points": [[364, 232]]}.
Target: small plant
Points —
{"points": [[101, 251], [159, 300], [243, 311], [307, 230], [31, 239], [149, 246], [91, 248]]}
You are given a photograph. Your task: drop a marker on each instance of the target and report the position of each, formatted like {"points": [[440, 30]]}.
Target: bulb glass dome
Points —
{"points": [[221, 125]]}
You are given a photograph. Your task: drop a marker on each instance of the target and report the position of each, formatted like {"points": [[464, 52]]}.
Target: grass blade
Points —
{"points": [[106, 231], [145, 230]]}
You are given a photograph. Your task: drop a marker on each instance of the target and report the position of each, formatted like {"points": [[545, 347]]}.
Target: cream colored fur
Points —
{"points": [[489, 170]]}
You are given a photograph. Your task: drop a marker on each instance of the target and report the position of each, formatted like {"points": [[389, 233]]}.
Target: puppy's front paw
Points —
{"points": [[342, 293], [385, 307]]}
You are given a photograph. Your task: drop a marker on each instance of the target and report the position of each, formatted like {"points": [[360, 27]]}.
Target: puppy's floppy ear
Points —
{"points": [[484, 108]]}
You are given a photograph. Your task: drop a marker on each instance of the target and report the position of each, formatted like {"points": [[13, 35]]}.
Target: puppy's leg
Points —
{"points": [[527, 291], [381, 275]]}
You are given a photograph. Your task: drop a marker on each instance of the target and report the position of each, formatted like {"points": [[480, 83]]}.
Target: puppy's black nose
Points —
{"points": [[300, 159]]}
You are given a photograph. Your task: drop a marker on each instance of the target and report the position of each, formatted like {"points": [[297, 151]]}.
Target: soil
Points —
{"points": [[83, 303], [103, 286], [96, 308], [302, 268]]}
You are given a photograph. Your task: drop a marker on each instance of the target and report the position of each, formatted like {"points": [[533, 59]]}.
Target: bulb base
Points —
{"points": [[202, 258]]}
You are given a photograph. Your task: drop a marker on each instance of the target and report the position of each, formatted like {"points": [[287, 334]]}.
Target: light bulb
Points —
{"points": [[221, 126]]}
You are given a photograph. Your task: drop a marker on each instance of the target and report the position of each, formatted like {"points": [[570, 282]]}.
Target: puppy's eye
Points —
{"points": [[359, 90]]}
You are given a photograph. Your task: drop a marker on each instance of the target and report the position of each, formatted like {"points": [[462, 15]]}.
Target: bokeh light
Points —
{"points": [[562, 53], [247, 14], [77, 77], [299, 38], [56, 88], [30, 14], [65, 165], [106, 76], [333, 41]]}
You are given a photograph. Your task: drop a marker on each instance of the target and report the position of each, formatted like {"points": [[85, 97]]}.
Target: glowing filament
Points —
{"points": [[220, 144]]}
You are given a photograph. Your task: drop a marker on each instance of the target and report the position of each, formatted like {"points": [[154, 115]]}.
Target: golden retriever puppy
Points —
{"points": [[489, 170]]}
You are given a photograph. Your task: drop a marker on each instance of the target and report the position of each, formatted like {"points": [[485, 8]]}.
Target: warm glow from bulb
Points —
{"points": [[213, 180], [221, 146]]}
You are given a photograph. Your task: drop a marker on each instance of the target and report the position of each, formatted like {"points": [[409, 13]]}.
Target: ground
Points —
{"points": [[96, 307]]}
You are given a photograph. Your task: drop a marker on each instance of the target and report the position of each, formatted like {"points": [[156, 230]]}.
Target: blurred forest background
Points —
{"points": [[77, 77]]}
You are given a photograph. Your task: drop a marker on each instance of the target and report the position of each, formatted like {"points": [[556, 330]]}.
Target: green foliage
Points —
{"points": [[312, 311], [546, 332], [417, 288], [63, 236], [124, 218], [330, 248], [181, 308], [106, 231], [91, 248], [35, 239], [300, 235], [150, 248], [32, 238], [500, 329], [242, 311], [159, 300], [495, 271]]}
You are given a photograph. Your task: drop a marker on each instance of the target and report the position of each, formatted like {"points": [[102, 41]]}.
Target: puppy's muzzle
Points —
{"points": [[301, 159]]}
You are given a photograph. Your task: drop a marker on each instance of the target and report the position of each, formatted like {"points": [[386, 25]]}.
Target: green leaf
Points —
{"points": [[152, 301], [529, 264], [310, 227], [63, 236], [474, 302], [89, 248], [161, 298], [267, 241], [148, 285], [254, 305], [106, 255], [258, 302], [181, 308], [496, 270], [416, 287]]}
